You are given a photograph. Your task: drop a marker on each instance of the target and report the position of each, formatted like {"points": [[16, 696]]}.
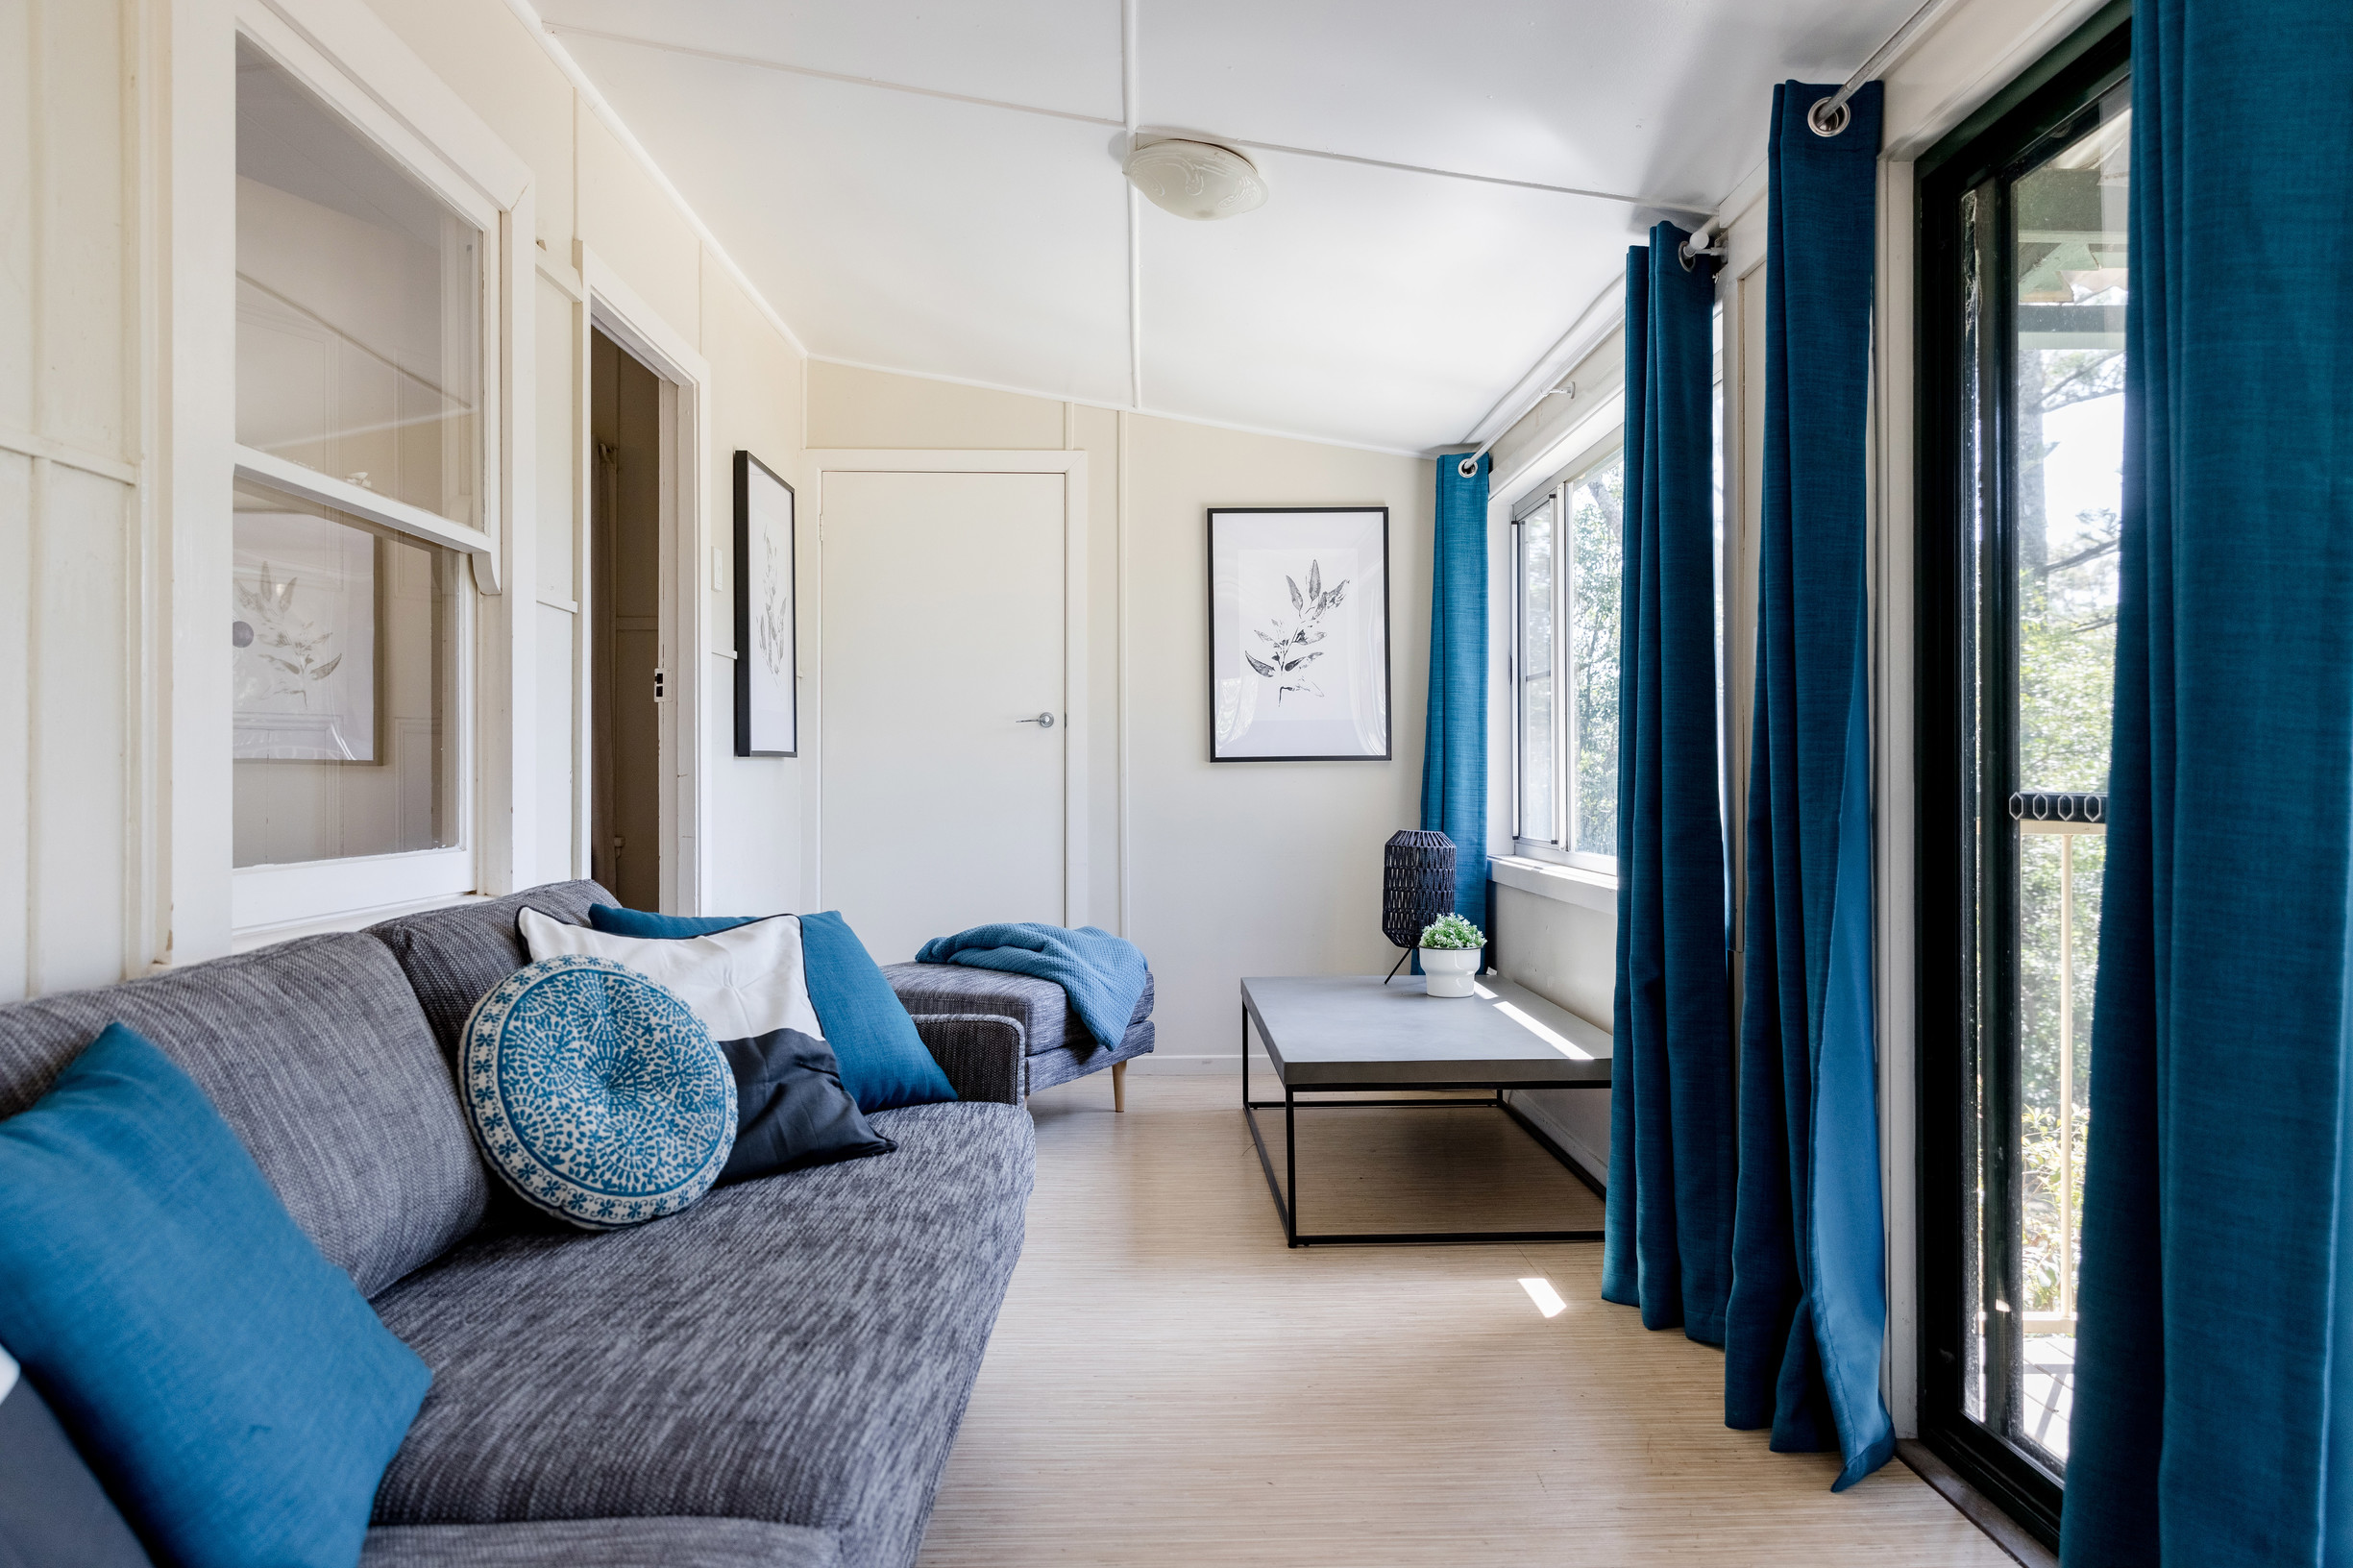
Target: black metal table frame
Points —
{"points": [[1291, 1104]]}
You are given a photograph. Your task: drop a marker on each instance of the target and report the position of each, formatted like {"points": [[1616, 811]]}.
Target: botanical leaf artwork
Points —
{"points": [[1290, 643], [289, 654], [773, 631]]}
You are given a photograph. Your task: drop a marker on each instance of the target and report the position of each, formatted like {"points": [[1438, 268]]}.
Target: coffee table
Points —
{"points": [[1351, 1034]]}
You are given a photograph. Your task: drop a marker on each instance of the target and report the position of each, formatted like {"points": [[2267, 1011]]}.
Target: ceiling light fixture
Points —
{"points": [[1196, 178]]}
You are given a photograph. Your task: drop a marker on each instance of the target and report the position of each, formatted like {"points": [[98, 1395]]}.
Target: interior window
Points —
{"points": [[360, 359], [1539, 739], [344, 660], [1569, 551], [359, 305], [1597, 547]]}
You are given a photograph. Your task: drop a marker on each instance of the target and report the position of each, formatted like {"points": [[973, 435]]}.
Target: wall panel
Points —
{"points": [[20, 113], [552, 853], [634, 229], [15, 717], [488, 58], [756, 407], [82, 319], [78, 635]]}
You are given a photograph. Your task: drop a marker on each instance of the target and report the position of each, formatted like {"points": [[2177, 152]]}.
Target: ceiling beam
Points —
{"points": [[1131, 106]]}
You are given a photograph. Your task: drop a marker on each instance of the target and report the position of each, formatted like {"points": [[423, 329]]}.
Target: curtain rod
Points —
{"points": [[1829, 115], [1470, 465]]}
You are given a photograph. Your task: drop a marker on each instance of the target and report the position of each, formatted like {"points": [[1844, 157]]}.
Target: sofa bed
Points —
{"points": [[774, 1376]]}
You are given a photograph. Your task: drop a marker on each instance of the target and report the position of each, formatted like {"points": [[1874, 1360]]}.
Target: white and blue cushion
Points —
{"points": [[595, 1092]]}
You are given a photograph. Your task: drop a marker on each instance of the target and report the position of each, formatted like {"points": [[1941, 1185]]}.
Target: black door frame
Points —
{"points": [[1962, 629]]}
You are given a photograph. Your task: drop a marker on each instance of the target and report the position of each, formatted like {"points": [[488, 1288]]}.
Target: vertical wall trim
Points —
{"points": [[1894, 784], [37, 515], [36, 482], [145, 235], [583, 584], [1131, 109], [1119, 677]]}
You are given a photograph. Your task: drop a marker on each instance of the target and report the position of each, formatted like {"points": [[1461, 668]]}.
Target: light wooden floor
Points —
{"points": [[1170, 1385]]}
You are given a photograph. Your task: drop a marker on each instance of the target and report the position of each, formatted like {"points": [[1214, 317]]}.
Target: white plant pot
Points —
{"points": [[1450, 969]]}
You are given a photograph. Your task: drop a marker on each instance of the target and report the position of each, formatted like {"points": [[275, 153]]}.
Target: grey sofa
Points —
{"points": [[773, 1377], [1034, 1015]]}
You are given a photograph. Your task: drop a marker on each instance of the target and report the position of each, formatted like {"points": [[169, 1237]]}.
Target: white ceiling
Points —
{"points": [[935, 187]]}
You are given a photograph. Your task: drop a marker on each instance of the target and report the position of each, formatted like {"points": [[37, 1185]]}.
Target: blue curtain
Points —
{"points": [[1669, 1247], [2215, 1352], [1455, 752], [1808, 1312]]}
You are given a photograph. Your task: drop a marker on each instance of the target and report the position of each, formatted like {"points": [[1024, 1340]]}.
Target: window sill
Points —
{"points": [[246, 939], [1565, 884]]}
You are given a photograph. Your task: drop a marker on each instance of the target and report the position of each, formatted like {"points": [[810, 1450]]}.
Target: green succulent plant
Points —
{"points": [[1452, 933]]}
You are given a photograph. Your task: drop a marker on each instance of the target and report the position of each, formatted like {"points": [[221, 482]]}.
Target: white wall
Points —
{"points": [[114, 481], [1216, 871], [77, 536]]}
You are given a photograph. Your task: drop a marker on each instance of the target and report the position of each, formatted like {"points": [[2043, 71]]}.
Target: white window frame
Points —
{"points": [[1548, 495], [346, 56], [1555, 489]]}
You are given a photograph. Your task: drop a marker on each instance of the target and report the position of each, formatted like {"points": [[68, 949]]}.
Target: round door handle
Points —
{"points": [[1044, 721]]}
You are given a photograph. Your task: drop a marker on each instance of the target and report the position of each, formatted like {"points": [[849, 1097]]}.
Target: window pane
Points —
{"points": [[2064, 388], [1597, 543], [344, 654], [1538, 737], [358, 305]]}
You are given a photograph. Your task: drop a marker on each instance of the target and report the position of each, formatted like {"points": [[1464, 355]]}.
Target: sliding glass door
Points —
{"points": [[2025, 279]]}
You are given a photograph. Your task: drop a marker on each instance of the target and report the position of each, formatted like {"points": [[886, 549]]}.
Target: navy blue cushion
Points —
{"points": [[791, 1110], [52, 1510], [883, 1059], [597, 1095], [228, 1384]]}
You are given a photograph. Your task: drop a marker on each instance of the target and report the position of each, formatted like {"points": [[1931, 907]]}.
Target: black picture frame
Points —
{"points": [[1224, 531], [766, 688]]}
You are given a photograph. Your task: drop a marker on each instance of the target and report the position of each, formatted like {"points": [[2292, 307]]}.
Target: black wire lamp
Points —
{"points": [[1417, 886]]}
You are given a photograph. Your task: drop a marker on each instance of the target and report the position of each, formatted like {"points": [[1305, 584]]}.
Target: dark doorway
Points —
{"points": [[625, 626]]}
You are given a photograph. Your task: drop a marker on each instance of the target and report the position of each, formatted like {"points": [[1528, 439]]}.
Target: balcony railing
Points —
{"points": [[2067, 816]]}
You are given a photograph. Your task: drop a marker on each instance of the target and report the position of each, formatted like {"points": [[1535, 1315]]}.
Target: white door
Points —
{"points": [[944, 781]]}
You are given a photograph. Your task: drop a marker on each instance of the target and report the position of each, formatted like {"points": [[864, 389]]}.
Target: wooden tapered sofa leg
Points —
{"points": [[1119, 1085]]}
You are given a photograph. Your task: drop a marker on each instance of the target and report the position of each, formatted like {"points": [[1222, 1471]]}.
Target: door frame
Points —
{"points": [[685, 653], [1071, 468], [1953, 609]]}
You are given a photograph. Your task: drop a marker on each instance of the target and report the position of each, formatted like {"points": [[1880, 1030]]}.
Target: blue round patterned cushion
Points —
{"points": [[597, 1093]]}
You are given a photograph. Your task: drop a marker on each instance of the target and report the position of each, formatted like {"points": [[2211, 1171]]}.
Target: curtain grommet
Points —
{"points": [[1831, 123]]}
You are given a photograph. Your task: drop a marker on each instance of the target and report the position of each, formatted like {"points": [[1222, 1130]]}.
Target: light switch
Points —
{"points": [[718, 569]]}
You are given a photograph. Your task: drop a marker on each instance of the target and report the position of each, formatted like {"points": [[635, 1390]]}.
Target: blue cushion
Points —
{"points": [[228, 1383], [596, 1093], [884, 1062]]}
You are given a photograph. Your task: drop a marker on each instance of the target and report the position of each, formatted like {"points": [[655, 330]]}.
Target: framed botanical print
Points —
{"points": [[305, 638], [1299, 633], [766, 692]]}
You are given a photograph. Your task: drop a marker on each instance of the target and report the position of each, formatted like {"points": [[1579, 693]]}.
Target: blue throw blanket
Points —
{"points": [[1102, 974]]}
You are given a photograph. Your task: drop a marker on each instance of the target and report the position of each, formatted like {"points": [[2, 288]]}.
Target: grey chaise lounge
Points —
{"points": [[1054, 1046], [773, 1377]]}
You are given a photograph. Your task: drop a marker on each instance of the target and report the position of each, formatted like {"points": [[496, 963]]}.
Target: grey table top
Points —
{"points": [[1351, 1029]]}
